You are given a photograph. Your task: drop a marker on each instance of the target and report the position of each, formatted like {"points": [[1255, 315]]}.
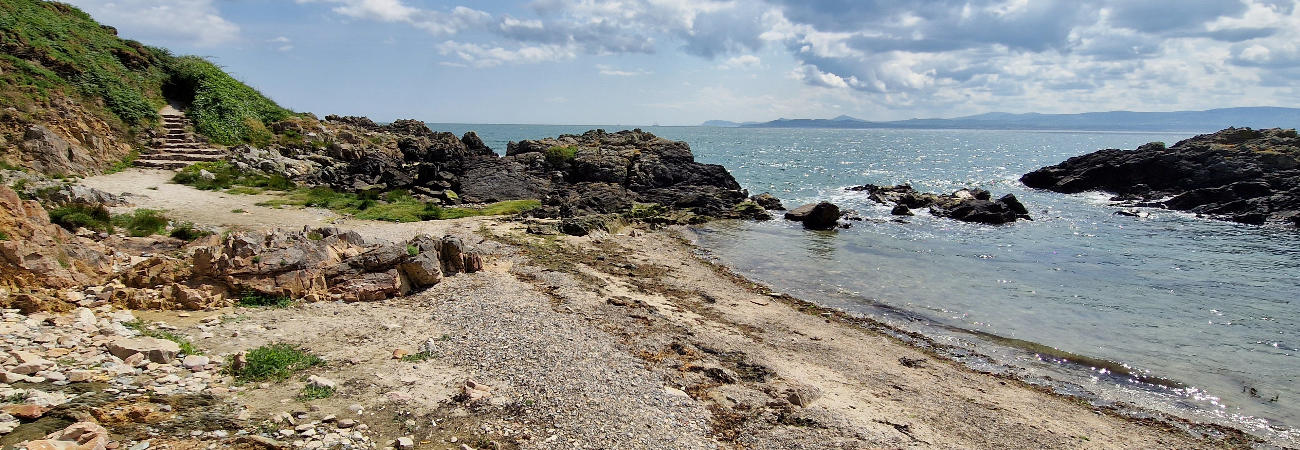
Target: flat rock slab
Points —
{"points": [[161, 351]]}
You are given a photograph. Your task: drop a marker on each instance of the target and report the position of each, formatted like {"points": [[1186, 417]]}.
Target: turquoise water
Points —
{"points": [[1212, 305]]}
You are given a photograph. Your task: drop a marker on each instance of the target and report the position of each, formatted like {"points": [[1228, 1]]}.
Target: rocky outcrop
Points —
{"points": [[967, 205], [816, 216], [592, 173], [61, 137], [768, 201], [1238, 174], [36, 255], [325, 264]]}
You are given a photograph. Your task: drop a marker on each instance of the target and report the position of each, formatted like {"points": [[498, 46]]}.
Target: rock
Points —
{"points": [[321, 382], [423, 269], [1236, 174], [472, 392], [768, 201], [25, 412], [405, 443], [967, 205], [160, 351], [78, 376], [803, 396], [78, 436], [818, 216], [346, 423], [195, 362], [11, 378], [751, 211], [901, 210]]}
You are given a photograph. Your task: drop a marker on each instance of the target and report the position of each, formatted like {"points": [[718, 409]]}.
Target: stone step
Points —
{"points": [[183, 157], [172, 165], [183, 146], [190, 151]]}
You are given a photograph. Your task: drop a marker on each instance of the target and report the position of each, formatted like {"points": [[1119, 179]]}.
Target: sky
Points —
{"points": [[681, 62]]}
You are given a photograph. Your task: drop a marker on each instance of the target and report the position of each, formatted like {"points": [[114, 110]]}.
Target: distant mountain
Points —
{"points": [[1211, 120], [726, 124]]}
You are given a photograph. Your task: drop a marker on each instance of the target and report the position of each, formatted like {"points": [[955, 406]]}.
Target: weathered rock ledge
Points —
{"points": [[1237, 174]]}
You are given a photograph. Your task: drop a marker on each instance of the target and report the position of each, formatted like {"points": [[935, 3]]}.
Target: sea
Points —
{"points": [[1168, 312]]}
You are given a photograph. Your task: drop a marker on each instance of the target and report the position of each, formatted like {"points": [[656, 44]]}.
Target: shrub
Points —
{"points": [[225, 175], [412, 250], [314, 392], [186, 231], [557, 155], [225, 110], [77, 215], [142, 222], [274, 362], [258, 299]]}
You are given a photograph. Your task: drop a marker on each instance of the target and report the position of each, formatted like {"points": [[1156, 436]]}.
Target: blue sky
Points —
{"points": [[680, 62]]}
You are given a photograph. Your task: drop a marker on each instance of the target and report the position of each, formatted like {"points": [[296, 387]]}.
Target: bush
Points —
{"points": [[77, 215], [186, 231], [274, 362], [258, 299], [558, 155], [225, 110], [225, 175], [314, 392], [142, 222]]}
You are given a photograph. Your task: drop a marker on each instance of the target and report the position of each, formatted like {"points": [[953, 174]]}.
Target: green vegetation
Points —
{"points": [[140, 327], [225, 110], [55, 48], [186, 231], [412, 250], [273, 362], [225, 175], [557, 155], [314, 392], [4, 236], [257, 299], [392, 206], [238, 211], [126, 162], [142, 222], [76, 215], [417, 357]]}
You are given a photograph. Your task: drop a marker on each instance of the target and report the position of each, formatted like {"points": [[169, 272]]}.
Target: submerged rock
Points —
{"points": [[1237, 174]]}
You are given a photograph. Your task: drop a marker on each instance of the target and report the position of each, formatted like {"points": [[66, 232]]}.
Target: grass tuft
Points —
{"points": [[77, 215], [314, 392], [142, 222], [139, 326], [274, 362]]}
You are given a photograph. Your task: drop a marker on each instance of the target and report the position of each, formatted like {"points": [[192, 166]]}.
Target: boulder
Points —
{"points": [[161, 351], [78, 436], [901, 210], [768, 201], [967, 205], [816, 216]]}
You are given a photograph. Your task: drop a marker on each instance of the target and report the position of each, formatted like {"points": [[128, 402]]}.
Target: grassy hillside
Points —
{"points": [[50, 50]]}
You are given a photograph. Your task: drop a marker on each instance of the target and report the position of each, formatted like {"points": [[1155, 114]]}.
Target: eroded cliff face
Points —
{"points": [[1237, 174], [62, 137], [38, 258]]}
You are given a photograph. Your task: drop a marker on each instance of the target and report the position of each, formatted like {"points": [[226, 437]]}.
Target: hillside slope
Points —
{"points": [[77, 99]]}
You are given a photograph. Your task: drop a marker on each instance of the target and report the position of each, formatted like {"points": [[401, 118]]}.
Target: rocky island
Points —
{"points": [[1238, 174], [186, 264]]}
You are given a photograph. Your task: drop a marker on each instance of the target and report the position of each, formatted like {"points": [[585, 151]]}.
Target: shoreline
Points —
{"points": [[627, 339], [975, 361]]}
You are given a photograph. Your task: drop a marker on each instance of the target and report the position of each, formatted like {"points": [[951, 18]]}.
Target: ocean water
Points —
{"points": [[1212, 306]]}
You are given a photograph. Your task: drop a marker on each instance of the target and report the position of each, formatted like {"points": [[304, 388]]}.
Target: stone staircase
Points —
{"points": [[179, 147]]}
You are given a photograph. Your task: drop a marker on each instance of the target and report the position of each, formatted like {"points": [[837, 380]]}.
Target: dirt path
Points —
{"points": [[622, 340]]}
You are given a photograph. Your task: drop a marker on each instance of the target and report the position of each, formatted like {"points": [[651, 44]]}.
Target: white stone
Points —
{"points": [[195, 362]]}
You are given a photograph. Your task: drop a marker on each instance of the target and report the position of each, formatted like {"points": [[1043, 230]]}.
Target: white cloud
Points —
{"points": [[611, 71], [281, 43], [741, 62], [491, 56], [438, 23], [192, 22]]}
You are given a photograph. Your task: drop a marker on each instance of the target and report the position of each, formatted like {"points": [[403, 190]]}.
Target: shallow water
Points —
{"points": [[1210, 304]]}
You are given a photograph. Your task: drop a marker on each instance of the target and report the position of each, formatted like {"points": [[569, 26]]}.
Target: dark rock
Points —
{"points": [[585, 225], [473, 143], [967, 205], [816, 216], [768, 201], [752, 211], [1237, 174]]}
